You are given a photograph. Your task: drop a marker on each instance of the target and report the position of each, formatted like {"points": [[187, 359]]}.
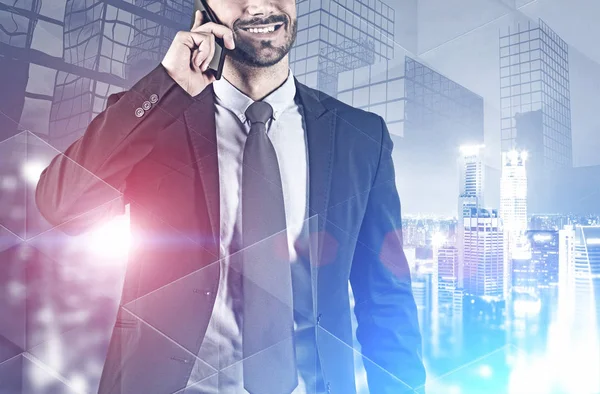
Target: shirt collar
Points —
{"points": [[237, 102]]}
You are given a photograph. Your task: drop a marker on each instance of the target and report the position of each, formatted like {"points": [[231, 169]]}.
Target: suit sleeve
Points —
{"points": [[84, 186], [388, 328]]}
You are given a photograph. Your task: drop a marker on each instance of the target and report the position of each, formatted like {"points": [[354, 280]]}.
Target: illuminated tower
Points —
{"points": [[471, 186], [483, 253], [513, 208]]}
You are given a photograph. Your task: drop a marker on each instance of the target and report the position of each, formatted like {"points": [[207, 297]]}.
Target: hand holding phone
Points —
{"points": [[188, 58], [218, 58]]}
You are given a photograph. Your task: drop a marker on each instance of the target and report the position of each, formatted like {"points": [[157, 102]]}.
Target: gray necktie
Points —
{"points": [[268, 332]]}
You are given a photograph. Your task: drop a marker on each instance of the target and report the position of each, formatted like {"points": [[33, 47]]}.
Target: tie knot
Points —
{"points": [[259, 112]]}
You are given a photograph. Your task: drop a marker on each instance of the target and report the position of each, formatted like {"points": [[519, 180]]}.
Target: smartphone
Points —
{"points": [[218, 59]]}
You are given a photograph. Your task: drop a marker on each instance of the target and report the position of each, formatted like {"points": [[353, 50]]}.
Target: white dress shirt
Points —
{"points": [[222, 346]]}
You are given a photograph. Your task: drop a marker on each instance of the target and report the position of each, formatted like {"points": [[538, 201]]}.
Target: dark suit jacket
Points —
{"points": [[164, 164]]}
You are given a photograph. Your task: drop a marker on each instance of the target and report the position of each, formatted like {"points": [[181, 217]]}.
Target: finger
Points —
{"points": [[203, 51], [196, 61], [218, 31], [191, 39], [211, 53], [197, 19]]}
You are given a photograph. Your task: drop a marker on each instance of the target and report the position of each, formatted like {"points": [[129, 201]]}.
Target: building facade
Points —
{"points": [[337, 36], [30, 55], [483, 253], [586, 270], [120, 41], [535, 105], [471, 192], [513, 208], [534, 72]]}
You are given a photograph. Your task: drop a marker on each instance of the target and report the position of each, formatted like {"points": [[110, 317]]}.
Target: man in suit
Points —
{"points": [[254, 200]]}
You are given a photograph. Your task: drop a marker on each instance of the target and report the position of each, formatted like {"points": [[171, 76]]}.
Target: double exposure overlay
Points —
{"points": [[491, 108]]}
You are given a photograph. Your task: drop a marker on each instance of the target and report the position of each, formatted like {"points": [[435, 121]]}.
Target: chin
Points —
{"points": [[256, 59]]}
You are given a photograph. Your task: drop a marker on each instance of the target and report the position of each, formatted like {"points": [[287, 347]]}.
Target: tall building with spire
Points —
{"points": [[513, 208]]}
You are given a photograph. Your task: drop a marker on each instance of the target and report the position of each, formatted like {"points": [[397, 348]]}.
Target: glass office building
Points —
{"points": [[28, 58], [340, 35], [534, 76], [121, 42], [535, 106]]}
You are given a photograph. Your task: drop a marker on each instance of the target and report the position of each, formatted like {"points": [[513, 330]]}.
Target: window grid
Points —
{"points": [[534, 76]]}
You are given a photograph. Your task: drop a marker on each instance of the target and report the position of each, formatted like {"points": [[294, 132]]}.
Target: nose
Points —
{"points": [[260, 7]]}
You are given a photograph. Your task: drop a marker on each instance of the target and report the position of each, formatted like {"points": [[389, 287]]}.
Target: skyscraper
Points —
{"points": [[586, 269], [537, 268], [566, 276], [535, 104], [544, 255], [340, 35], [472, 178], [447, 298], [447, 279], [483, 253], [513, 208], [579, 273], [471, 191]]}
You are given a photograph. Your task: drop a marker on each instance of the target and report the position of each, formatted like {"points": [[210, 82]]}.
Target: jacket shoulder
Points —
{"points": [[366, 121]]}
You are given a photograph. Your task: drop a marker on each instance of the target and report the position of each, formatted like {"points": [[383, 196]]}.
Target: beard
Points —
{"points": [[246, 52]]}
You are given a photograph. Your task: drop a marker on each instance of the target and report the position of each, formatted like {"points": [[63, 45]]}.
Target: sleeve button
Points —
{"points": [[154, 98], [146, 105], [139, 112]]}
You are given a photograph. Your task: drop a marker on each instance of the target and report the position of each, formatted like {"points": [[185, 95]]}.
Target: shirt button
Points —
{"points": [[154, 98], [146, 105], [139, 112]]}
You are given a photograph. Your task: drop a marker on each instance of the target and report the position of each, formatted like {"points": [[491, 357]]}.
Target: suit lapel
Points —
{"points": [[320, 132], [200, 122]]}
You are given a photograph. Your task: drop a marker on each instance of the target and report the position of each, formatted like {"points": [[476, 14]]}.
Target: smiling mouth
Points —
{"points": [[262, 29]]}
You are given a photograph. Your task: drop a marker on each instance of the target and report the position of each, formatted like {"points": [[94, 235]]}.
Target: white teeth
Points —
{"points": [[262, 30]]}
